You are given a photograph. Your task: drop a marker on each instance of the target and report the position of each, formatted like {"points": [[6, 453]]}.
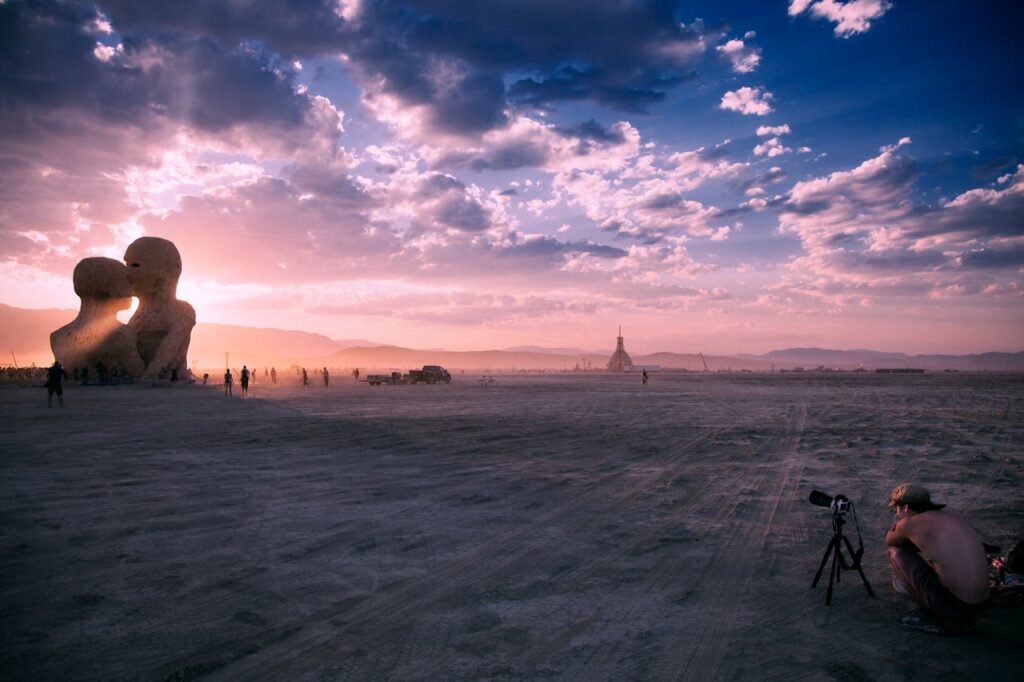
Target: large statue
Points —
{"points": [[163, 323], [96, 341]]}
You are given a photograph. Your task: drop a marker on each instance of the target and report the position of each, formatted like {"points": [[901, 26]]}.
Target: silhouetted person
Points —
{"points": [[244, 377], [355, 373], [101, 373], [163, 323], [228, 380], [305, 377], [327, 377], [96, 335], [55, 384], [206, 377], [174, 374], [273, 376]]}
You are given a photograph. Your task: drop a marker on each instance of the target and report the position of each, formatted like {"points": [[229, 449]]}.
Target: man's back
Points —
{"points": [[954, 550]]}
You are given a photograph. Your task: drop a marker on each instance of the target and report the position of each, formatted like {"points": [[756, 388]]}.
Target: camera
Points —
{"points": [[839, 504]]}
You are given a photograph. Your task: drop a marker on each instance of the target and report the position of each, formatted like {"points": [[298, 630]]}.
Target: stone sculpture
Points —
{"points": [[162, 322], [96, 338]]}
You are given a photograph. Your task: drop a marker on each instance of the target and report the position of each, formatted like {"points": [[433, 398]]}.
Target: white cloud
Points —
{"points": [[864, 235], [773, 131], [748, 101], [850, 17], [742, 57], [771, 148]]}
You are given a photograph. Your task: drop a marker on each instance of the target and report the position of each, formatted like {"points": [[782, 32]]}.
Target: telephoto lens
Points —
{"points": [[820, 499]]}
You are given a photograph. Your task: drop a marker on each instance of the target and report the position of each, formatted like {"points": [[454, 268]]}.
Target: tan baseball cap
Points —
{"points": [[908, 493]]}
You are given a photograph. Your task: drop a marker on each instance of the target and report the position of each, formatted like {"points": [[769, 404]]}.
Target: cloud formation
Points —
{"points": [[850, 17], [747, 100], [864, 234], [742, 57]]}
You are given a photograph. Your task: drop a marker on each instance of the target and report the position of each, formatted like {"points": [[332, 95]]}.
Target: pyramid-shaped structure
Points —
{"points": [[619, 360]]}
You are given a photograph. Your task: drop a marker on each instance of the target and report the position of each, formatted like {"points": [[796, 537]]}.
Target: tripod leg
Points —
{"points": [[867, 586], [824, 560], [833, 575]]}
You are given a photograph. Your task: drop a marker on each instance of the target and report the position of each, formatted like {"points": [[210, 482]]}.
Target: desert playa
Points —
{"points": [[562, 527]]}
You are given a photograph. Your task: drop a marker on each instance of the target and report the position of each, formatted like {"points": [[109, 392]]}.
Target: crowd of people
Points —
{"points": [[22, 375], [245, 377]]}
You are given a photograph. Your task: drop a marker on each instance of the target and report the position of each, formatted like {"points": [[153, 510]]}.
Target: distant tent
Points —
{"points": [[619, 360]]}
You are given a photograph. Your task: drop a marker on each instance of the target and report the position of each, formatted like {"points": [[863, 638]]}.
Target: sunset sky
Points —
{"points": [[723, 177]]}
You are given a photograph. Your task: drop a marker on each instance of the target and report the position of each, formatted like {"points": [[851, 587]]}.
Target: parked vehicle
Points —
{"points": [[430, 374]]}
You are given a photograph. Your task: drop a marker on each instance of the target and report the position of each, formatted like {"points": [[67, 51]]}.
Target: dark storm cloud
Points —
{"points": [[623, 55], [403, 44], [475, 104], [75, 118], [46, 55], [293, 27]]}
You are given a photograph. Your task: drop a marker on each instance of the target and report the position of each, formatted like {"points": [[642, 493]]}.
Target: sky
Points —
{"points": [[723, 177]]}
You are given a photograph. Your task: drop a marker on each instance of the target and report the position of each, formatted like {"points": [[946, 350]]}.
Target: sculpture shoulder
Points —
{"points": [[185, 309]]}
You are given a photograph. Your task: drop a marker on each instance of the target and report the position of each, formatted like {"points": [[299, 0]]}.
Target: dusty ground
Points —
{"points": [[566, 527]]}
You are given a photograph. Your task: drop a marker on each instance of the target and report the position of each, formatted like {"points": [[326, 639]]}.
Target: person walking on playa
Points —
{"points": [[244, 380], [644, 378], [327, 377], [55, 384], [228, 380], [305, 377], [273, 375], [938, 559]]}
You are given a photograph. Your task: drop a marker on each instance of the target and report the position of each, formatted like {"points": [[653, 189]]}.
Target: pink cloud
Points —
{"points": [[850, 17], [748, 101], [864, 235], [742, 57]]}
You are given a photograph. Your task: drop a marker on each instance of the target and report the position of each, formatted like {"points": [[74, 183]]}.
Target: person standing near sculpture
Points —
{"points": [[55, 384], [327, 378], [162, 322], [96, 338], [228, 380], [244, 380]]}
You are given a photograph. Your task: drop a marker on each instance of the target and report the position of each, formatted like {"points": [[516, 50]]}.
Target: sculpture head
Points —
{"points": [[103, 279], [154, 266]]}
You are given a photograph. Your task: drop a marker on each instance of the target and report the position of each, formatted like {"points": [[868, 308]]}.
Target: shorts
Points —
{"points": [[51, 389], [931, 594]]}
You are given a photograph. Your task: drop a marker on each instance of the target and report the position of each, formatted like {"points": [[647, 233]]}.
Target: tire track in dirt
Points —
{"points": [[668, 571], [426, 649], [492, 563], [723, 583]]}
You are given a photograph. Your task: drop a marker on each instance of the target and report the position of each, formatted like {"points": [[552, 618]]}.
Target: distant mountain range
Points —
{"points": [[26, 333], [810, 358]]}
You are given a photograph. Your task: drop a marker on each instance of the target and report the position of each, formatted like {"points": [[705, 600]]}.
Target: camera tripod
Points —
{"points": [[839, 563]]}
